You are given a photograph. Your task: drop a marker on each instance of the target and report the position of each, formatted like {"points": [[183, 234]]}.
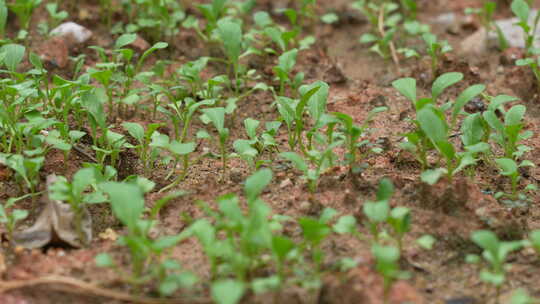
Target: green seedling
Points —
{"points": [[292, 111], [230, 35], [400, 221], [24, 9], [485, 14], [510, 168], [321, 161], [521, 296], [522, 10], [111, 76], [10, 216], [409, 8], [57, 16], [3, 18], [283, 71], [227, 291], [353, 132], [387, 264], [508, 134], [76, 195], [378, 212], [180, 153], [432, 128], [182, 114], [190, 72], [127, 203], [155, 18], [250, 149], [495, 253], [217, 117], [436, 49], [247, 235], [143, 138], [212, 13], [106, 11], [63, 139], [26, 169], [384, 19], [534, 239], [314, 232]]}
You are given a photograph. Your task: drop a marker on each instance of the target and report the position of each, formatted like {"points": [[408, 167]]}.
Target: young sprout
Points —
{"points": [[435, 49], [377, 212], [353, 132], [522, 10], [315, 231], [10, 216], [283, 70], [509, 133], [76, 195], [26, 169], [387, 264], [400, 221], [534, 239], [23, 9], [3, 18], [230, 35], [384, 20], [494, 253], [217, 117], [510, 168], [432, 128], [485, 14], [292, 113]]}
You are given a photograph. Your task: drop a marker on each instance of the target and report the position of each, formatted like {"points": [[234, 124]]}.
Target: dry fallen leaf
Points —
{"points": [[55, 225]]}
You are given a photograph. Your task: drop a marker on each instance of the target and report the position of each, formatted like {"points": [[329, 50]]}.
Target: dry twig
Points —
{"points": [[67, 284]]}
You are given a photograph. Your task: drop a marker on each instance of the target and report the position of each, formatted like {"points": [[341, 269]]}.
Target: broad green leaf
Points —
{"points": [[227, 291], [385, 190], [426, 241], [217, 117], [407, 87], [465, 97], [127, 202], [287, 60], [256, 183], [443, 82], [521, 9], [377, 212], [431, 177], [432, 125], [313, 230], [135, 130], [385, 254], [472, 130], [230, 33], [317, 102], [104, 260], [486, 239], [182, 148], [3, 18], [515, 115], [493, 121], [296, 159], [508, 166], [251, 126], [13, 55], [124, 40], [345, 224]]}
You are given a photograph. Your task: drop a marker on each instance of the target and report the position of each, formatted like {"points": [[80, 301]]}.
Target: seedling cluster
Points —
{"points": [[132, 104]]}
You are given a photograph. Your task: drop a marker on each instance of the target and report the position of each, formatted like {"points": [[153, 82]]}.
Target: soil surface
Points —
{"points": [[359, 81]]}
